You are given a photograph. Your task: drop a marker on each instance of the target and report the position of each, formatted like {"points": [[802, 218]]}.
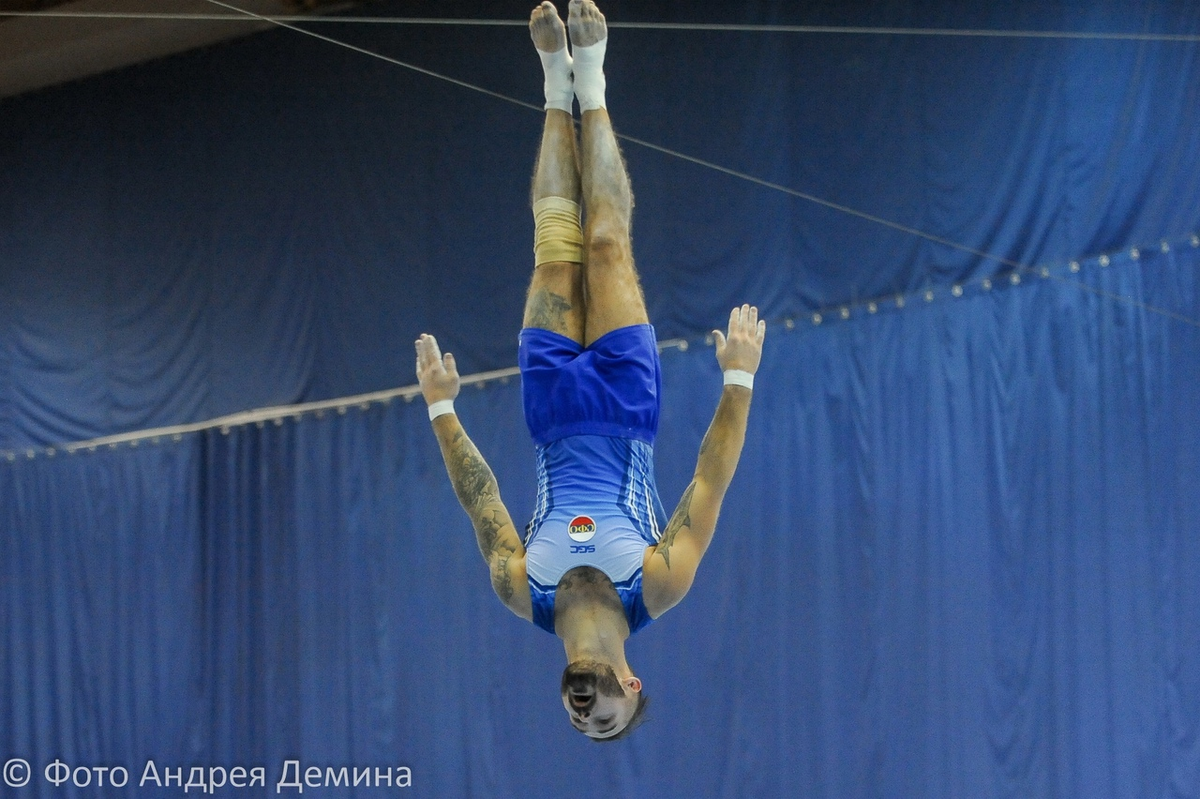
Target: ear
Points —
{"points": [[634, 684]]}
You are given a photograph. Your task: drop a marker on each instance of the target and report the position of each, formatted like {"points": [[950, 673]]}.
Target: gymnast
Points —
{"points": [[596, 564]]}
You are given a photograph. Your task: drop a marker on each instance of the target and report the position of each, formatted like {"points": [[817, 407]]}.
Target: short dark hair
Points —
{"points": [[635, 721]]}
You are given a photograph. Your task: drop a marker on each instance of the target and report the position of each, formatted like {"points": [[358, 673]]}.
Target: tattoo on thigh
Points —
{"points": [[548, 311]]}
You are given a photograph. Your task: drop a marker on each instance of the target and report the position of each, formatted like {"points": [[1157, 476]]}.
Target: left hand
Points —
{"points": [[742, 349], [437, 374]]}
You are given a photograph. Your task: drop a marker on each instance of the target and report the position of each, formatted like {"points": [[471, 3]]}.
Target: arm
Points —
{"points": [[473, 481], [670, 566]]}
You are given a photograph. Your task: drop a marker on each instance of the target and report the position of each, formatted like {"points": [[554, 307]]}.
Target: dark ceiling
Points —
{"points": [[43, 51]]}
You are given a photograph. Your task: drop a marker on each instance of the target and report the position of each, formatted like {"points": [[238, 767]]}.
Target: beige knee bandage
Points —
{"points": [[557, 234]]}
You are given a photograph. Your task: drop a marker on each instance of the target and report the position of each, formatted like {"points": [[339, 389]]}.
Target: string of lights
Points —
{"points": [[842, 313]]}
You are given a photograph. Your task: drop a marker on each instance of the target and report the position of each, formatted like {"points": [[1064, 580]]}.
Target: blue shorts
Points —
{"points": [[610, 388]]}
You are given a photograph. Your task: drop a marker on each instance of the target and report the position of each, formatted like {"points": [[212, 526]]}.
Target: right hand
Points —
{"points": [[437, 373]]}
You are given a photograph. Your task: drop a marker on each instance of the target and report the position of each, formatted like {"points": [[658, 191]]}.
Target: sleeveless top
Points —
{"points": [[597, 506]]}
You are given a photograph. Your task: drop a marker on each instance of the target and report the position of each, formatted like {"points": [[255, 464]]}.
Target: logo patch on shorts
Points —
{"points": [[581, 528]]}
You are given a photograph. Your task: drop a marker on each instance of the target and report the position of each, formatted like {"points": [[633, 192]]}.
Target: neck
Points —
{"points": [[593, 631]]}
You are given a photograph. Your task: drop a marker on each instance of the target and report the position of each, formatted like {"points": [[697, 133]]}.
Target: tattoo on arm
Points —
{"points": [[473, 480], [680, 519], [496, 549], [476, 488], [501, 579]]}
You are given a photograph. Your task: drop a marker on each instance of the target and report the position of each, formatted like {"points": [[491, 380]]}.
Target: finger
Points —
{"points": [[762, 330], [449, 363], [752, 319], [734, 319], [718, 339], [420, 345], [430, 353]]}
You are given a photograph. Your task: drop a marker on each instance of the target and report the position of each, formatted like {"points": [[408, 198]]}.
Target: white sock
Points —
{"points": [[589, 75], [560, 88]]}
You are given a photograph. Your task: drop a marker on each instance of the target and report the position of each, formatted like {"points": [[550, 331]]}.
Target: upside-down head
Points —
{"points": [[600, 704]]}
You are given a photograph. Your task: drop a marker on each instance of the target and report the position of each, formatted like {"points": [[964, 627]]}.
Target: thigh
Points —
{"points": [[555, 300], [614, 292]]}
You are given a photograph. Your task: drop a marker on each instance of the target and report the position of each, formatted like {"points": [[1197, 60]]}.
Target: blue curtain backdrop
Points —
{"points": [[960, 556]]}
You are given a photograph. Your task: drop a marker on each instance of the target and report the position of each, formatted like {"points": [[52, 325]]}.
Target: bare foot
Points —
{"points": [[547, 29], [586, 23]]}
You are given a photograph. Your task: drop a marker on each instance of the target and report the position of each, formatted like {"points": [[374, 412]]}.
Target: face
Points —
{"points": [[598, 704]]}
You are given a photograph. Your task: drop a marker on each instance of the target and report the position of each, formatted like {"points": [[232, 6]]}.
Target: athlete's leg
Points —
{"points": [[555, 300], [614, 296]]}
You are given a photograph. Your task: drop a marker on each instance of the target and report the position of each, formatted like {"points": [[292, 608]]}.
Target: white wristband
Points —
{"points": [[739, 377], [440, 408]]}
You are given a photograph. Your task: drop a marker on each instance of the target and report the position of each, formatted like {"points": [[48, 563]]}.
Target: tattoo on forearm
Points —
{"points": [[680, 519], [548, 311], [469, 473], [722, 445]]}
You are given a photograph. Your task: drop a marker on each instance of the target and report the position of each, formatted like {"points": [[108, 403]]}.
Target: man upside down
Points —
{"points": [[596, 564]]}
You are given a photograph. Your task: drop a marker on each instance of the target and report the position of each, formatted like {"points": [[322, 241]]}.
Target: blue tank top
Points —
{"points": [[597, 506]]}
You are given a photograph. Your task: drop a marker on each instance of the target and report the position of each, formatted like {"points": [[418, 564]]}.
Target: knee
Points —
{"points": [[608, 241], [608, 252], [557, 234]]}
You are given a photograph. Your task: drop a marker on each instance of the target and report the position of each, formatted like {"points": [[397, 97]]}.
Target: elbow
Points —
{"points": [[715, 482]]}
